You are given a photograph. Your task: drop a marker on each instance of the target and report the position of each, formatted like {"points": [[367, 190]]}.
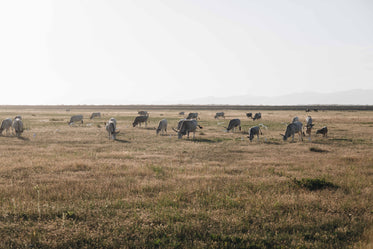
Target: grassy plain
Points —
{"points": [[70, 187]]}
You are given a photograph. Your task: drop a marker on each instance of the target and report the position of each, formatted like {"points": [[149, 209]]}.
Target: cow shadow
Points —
{"points": [[205, 140], [122, 141], [23, 138]]}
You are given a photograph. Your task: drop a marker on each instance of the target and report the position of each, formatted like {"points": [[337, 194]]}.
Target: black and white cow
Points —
{"points": [[185, 126], [219, 114], [323, 131], [233, 123], [140, 119], [192, 115], [255, 130], [257, 115], [291, 129]]}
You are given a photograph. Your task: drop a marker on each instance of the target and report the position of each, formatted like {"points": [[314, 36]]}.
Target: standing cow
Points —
{"points": [[309, 126], [18, 126], [6, 125], [323, 131]]}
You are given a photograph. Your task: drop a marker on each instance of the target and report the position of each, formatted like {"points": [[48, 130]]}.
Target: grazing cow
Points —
{"points": [[18, 126], [114, 121], [95, 115], [308, 110], [323, 131], [139, 120], [192, 115], [180, 123], [249, 115], [6, 125], [309, 127], [76, 118], [111, 127], [219, 114], [315, 110], [233, 123], [257, 116], [162, 126], [255, 130], [291, 129], [181, 113], [185, 126], [143, 113], [295, 119]]}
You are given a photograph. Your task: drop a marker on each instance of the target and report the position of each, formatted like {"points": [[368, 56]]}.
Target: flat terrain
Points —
{"points": [[72, 187]]}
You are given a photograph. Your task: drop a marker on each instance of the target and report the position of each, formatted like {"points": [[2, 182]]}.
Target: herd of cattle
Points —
{"points": [[185, 126]]}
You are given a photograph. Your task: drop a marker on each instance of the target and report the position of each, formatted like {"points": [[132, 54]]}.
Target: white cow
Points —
{"points": [[6, 125], [162, 126], [18, 126], [309, 127], [111, 127]]}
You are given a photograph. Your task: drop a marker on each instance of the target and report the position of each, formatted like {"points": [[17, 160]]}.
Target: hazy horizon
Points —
{"points": [[100, 52]]}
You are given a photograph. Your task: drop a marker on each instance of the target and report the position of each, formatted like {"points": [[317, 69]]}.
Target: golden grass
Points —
{"points": [[70, 187]]}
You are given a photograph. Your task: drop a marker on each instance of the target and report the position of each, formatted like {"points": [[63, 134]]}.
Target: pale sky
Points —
{"points": [[143, 52]]}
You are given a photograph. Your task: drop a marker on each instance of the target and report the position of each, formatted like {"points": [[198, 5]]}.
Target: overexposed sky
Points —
{"points": [[143, 52]]}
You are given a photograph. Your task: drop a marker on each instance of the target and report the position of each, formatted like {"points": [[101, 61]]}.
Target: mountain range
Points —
{"points": [[351, 97]]}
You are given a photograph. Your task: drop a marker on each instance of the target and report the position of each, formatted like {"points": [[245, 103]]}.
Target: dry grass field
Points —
{"points": [[72, 187]]}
